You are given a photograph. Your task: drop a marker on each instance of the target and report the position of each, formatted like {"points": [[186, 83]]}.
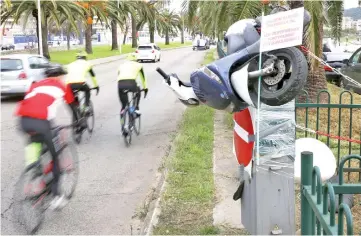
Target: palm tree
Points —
{"points": [[168, 24], [214, 17], [323, 13], [51, 8], [122, 9], [150, 17], [64, 25], [103, 11], [144, 12]]}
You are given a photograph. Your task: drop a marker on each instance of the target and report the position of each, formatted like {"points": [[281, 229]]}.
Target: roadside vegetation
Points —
{"points": [[66, 57], [188, 201]]}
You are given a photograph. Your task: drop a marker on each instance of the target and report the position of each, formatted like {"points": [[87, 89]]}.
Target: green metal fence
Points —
{"points": [[315, 215], [310, 118]]}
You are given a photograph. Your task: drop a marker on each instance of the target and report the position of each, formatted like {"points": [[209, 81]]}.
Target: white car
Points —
{"points": [[19, 71], [148, 52]]}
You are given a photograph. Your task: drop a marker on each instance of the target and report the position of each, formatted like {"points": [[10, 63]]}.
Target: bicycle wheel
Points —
{"points": [[77, 134], [127, 132], [136, 123], [28, 208], [90, 118], [69, 168]]}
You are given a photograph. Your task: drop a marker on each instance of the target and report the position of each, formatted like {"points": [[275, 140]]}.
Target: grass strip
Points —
{"points": [[101, 51], [188, 201]]}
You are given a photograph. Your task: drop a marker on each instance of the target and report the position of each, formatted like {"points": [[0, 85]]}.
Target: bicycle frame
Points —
{"points": [[126, 109], [58, 141]]}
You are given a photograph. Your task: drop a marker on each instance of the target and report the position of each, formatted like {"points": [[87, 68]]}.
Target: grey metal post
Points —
{"points": [[268, 200]]}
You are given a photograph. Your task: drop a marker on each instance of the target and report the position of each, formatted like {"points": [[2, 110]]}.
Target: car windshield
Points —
{"points": [[145, 47], [11, 64]]}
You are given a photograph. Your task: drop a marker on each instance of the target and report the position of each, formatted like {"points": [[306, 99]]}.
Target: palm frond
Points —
{"points": [[334, 18]]}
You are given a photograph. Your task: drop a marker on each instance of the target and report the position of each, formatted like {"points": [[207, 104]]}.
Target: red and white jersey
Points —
{"points": [[43, 98]]}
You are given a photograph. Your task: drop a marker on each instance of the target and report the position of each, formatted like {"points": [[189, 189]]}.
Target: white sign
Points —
{"points": [[282, 30]]}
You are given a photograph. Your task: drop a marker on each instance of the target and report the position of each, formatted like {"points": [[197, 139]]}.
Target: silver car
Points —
{"points": [[19, 71]]}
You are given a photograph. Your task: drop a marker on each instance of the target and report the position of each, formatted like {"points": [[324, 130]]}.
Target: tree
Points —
{"points": [[167, 25], [214, 17], [144, 12], [103, 11], [64, 25], [150, 16], [122, 9], [51, 8], [134, 30], [322, 12]]}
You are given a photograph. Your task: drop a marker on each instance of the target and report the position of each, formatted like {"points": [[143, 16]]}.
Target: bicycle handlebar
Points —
{"points": [[79, 90], [163, 74]]}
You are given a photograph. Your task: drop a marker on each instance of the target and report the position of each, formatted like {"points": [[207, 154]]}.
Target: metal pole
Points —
{"points": [[259, 102], [306, 180], [40, 32]]}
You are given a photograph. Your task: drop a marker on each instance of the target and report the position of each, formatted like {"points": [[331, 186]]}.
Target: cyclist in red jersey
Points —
{"points": [[37, 111]]}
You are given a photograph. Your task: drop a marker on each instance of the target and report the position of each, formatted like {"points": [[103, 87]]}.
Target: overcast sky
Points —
{"points": [[350, 4]]}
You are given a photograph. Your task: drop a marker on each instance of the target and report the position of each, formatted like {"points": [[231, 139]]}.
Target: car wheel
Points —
{"points": [[159, 58]]}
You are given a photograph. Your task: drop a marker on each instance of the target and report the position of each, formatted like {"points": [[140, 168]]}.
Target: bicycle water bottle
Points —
{"points": [[131, 110]]}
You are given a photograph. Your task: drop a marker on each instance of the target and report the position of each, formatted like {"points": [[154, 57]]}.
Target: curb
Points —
{"points": [[154, 209]]}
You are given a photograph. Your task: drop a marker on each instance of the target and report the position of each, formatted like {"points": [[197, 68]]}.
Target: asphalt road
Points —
{"points": [[113, 179]]}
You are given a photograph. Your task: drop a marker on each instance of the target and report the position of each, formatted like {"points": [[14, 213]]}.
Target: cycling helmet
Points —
{"points": [[81, 55], [55, 71], [131, 57]]}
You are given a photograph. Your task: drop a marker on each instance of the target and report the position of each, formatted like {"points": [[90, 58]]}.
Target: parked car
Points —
{"points": [[19, 71], [200, 43], [352, 69], [148, 52], [212, 42], [335, 59], [8, 47]]}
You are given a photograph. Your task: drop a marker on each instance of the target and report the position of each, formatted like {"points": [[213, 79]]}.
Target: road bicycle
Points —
{"points": [[130, 120], [32, 193], [88, 121]]}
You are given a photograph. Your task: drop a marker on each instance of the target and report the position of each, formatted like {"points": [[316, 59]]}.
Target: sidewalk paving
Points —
{"points": [[227, 212]]}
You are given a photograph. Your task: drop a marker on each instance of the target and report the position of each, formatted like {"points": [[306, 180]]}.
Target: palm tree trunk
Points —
{"points": [[125, 34], [88, 39], [68, 37], [134, 33], [114, 35], [316, 80], [81, 35], [182, 36], [151, 35], [151, 31], [44, 29], [37, 33], [166, 37]]}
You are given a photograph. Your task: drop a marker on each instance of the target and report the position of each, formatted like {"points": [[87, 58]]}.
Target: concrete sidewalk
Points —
{"points": [[227, 212]]}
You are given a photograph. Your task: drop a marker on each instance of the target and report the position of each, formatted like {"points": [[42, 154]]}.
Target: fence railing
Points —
{"points": [[315, 213], [338, 116]]}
